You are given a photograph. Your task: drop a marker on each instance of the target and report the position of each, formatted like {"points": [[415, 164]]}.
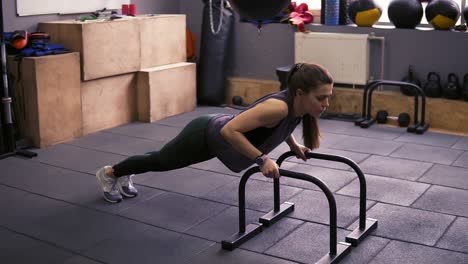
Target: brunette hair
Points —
{"points": [[308, 77]]}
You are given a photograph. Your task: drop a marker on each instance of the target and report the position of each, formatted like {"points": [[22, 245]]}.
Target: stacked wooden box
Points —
{"points": [[47, 97], [131, 69]]}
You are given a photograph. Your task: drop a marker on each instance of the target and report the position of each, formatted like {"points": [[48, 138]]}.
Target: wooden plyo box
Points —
{"points": [[107, 48], [249, 89], [47, 90], [163, 40], [166, 91], [126, 45], [108, 102]]}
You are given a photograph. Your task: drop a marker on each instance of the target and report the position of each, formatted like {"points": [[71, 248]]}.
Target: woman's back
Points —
{"points": [[264, 138]]}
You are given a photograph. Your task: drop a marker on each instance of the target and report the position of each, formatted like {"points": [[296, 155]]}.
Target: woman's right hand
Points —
{"points": [[270, 169]]}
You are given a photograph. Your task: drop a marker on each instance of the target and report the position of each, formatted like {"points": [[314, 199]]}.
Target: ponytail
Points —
{"points": [[308, 77], [310, 132]]}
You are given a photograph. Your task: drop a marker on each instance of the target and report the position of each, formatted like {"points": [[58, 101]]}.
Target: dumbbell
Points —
{"points": [[403, 118]]}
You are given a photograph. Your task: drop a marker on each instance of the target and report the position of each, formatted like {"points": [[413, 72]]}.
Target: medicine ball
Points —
{"points": [[364, 13], [442, 14], [405, 13], [259, 9]]}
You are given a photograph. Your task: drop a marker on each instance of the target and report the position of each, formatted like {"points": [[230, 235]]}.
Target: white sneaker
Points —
{"points": [[109, 186], [126, 187]]}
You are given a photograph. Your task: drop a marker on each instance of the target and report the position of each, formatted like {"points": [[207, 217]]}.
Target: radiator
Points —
{"points": [[346, 56]]}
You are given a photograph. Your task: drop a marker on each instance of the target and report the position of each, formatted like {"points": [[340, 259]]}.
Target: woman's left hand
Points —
{"points": [[300, 151]]}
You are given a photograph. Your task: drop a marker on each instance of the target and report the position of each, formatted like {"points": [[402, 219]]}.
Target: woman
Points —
{"points": [[237, 140]]}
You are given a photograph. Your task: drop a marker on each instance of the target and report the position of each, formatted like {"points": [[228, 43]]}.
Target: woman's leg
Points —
{"points": [[187, 148]]}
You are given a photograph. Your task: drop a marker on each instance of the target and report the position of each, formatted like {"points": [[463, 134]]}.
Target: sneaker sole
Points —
{"points": [[111, 201], [126, 194]]}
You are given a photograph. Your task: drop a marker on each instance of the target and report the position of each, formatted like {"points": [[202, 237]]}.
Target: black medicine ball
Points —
{"points": [[364, 13], [442, 14]]}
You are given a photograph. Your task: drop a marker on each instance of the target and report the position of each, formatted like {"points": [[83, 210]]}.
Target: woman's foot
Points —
{"points": [[109, 186], [126, 187]]}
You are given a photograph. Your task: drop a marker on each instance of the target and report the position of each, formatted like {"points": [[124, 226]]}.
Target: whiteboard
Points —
{"points": [[40, 7]]}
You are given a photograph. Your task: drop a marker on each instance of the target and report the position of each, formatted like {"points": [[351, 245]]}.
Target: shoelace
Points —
{"points": [[124, 180], [114, 188]]}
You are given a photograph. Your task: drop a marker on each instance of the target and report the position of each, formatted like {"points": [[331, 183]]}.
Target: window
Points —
{"points": [[316, 4], [312, 4]]}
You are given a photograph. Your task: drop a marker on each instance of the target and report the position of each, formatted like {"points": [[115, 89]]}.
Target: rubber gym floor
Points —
{"points": [[52, 210]]}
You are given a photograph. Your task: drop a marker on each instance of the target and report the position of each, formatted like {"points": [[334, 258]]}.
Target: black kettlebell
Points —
{"points": [[452, 89], [433, 88], [465, 87], [411, 78]]}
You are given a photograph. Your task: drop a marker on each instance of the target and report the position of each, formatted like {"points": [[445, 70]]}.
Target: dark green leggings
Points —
{"points": [[187, 148]]}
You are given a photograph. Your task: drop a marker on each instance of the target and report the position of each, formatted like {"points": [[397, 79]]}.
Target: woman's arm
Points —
{"points": [[291, 141], [267, 113], [299, 149]]}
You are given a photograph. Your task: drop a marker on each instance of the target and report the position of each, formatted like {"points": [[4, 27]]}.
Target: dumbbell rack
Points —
{"points": [[367, 120]]}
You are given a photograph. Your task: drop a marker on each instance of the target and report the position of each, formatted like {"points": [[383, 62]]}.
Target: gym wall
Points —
{"points": [[431, 50], [13, 22]]}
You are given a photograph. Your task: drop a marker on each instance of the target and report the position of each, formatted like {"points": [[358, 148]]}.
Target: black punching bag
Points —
{"points": [[214, 50], [259, 10]]}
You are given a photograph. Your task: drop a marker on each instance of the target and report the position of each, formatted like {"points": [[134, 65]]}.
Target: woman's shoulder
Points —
{"points": [[276, 103], [273, 107]]}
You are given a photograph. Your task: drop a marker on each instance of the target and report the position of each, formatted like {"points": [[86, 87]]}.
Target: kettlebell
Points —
{"points": [[465, 87], [433, 87], [411, 78], [452, 89]]}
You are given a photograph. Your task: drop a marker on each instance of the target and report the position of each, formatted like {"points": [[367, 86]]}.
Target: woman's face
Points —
{"points": [[316, 101]]}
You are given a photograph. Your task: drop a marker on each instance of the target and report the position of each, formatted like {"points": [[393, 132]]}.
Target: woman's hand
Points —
{"points": [[300, 151], [270, 169]]}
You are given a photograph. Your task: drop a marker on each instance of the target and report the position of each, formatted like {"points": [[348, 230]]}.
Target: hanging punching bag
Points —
{"points": [[214, 50], [259, 9]]}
